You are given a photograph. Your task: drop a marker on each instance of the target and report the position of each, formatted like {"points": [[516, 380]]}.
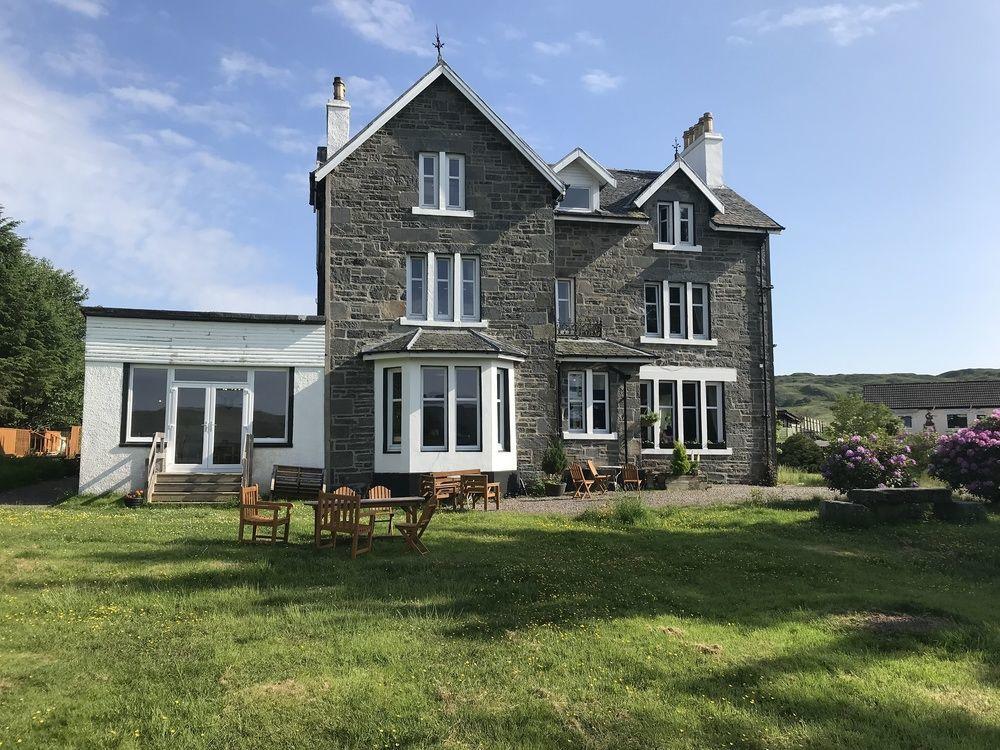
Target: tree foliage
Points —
{"points": [[41, 338], [853, 416], [799, 451]]}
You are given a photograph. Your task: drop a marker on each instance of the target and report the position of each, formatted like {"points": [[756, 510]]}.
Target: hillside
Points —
{"points": [[811, 395]]}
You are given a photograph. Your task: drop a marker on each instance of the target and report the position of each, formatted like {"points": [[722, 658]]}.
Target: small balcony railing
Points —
{"points": [[577, 328]]}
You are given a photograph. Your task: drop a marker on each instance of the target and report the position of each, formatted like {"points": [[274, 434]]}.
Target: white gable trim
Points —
{"points": [[666, 174], [578, 154], [441, 69]]}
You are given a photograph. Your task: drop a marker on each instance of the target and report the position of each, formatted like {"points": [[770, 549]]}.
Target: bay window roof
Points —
{"points": [[433, 341]]}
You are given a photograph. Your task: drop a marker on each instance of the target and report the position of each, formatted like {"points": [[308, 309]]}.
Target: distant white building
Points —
{"points": [[939, 406]]}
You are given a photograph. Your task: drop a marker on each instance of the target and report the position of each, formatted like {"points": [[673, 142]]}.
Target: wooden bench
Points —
{"points": [[296, 482]]}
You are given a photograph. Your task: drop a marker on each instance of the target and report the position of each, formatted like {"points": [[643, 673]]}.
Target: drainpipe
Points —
{"points": [[624, 379], [766, 356]]}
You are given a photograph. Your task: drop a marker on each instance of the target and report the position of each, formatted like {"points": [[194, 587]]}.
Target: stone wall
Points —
{"points": [[372, 228]]}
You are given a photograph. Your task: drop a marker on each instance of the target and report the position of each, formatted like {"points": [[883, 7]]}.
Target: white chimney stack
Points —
{"points": [[703, 151], [338, 118]]}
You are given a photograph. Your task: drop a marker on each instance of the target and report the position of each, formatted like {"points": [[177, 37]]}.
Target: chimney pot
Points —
{"points": [[338, 117], [339, 89]]}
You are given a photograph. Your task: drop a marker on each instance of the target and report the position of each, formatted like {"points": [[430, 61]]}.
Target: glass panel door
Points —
{"points": [[189, 431], [227, 426]]}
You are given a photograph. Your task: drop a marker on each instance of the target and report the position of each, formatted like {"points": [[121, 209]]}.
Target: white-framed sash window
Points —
{"points": [[416, 287], [429, 180], [435, 296], [443, 267], [393, 409], [653, 305], [587, 406], [675, 227], [470, 288], [503, 409], [677, 312], [442, 184], [434, 409], [468, 408], [691, 403], [565, 303], [576, 402]]}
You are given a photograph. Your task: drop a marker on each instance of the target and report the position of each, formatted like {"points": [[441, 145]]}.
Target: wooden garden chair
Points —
{"points": [[380, 492], [630, 477], [252, 514], [600, 480], [581, 485], [342, 514], [345, 490], [413, 531]]}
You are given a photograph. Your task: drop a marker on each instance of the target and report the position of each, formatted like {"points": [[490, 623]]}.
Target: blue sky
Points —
{"points": [[160, 150]]}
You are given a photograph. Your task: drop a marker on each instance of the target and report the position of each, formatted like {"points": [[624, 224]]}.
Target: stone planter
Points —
{"points": [[686, 482], [555, 489]]}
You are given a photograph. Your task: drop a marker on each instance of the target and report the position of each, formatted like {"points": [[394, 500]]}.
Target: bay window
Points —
{"points": [[467, 412], [392, 396], [434, 409], [503, 409], [451, 294], [441, 184]]}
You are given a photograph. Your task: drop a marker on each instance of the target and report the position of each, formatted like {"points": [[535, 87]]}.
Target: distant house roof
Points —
{"points": [[213, 317], [431, 341], [786, 417], [935, 395], [599, 350]]}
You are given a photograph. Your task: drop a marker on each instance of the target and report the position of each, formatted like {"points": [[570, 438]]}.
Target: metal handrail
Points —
{"points": [[577, 328]]}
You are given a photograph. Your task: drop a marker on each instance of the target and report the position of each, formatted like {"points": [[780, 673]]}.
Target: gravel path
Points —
{"points": [[720, 494], [41, 493]]}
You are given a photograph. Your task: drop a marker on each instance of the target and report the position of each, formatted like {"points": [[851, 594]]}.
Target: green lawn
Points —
{"points": [[799, 477], [745, 627], [18, 472]]}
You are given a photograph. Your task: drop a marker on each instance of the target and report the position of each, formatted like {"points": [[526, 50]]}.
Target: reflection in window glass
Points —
{"points": [[149, 401], [270, 404]]}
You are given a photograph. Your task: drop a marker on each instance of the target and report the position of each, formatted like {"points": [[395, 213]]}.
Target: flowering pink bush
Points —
{"points": [[970, 458], [857, 462]]}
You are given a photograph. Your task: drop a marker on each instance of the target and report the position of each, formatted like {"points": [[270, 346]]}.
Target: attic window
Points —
{"points": [[577, 198]]}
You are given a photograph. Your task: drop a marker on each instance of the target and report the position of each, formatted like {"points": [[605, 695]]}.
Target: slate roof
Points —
{"points": [[619, 202], [599, 349], [937, 395], [425, 340]]}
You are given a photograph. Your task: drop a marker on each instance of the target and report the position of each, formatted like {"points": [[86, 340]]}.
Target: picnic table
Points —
{"points": [[409, 504], [614, 471]]}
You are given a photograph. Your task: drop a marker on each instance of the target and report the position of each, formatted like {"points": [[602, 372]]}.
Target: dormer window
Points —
{"points": [[577, 198], [675, 226], [442, 184]]}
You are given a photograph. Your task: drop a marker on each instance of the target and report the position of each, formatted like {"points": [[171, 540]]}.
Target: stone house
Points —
{"points": [[475, 303]]}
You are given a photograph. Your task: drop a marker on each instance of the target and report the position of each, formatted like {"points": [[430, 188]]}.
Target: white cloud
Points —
{"points": [[236, 66], [162, 137], [737, 40], [845, 23], [586, 38], [536, 79], [292, 141], [510, 33], [222, 118], [139, 227], [600, 81], [89, 8], [390, 23], [551, 48], [86, 56], [364, 94]]}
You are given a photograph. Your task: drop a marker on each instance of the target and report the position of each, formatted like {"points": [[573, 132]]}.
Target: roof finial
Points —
{"points": [[438, 43], [677, 148]]}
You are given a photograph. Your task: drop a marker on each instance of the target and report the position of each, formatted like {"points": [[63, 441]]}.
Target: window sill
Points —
{"points": [[276, 444], [589, 435], [443, 212], [678, 248], [444, 323], [677, 342], [691, 451]]}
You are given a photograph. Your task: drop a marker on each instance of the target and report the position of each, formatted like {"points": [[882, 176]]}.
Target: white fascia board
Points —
{"points": [[441, 69], [678, 165], [561, 216], [407, 355], [578, 154], [710, 374]]}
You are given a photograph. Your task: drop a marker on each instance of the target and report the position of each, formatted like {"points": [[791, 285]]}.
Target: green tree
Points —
{"points": [[41, 338], [852, 416], [680, 464]]}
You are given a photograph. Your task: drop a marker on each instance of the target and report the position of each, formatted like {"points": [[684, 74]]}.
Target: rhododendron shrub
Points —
{"points": [[858, 463], [970, 458]]}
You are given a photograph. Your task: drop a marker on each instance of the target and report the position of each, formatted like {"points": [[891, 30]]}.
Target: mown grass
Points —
{"points": [[799, 477], [748, 627], [19, 472]]}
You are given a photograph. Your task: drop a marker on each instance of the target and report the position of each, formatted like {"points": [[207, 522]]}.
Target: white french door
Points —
{"points": [[208, 426]]}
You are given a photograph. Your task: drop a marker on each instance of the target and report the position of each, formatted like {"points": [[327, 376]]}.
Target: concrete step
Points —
{"points": [[195, 488]]}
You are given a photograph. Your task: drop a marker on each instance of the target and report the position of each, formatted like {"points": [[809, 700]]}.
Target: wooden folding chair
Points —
{"points": [[413, 531], [345, 490], [581, 485], [380, 492], [342, 514], [473, 488], [600, 480], [630, 477], [250, 515]]}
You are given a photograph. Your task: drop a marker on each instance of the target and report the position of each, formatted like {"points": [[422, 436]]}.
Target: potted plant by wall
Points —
{"points": [[134, 499], [685, 472], [646, 421], [554, 464]]}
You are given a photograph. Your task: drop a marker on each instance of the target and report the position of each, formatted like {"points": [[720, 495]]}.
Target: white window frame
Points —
{"points": [[478, 401], [703, 378], [580, 375], [444, 290], [590, 199], [503, 409], [602, 404], [441, 205], [129, 437], [462, 261], [389, 400], [719, 416], [443, 400], [660, 409], [570, 301], [658, 304], [673, 242], [424, 297], [430, 317], [687, 336], [646, 407], [588, 432], [699, 412]]}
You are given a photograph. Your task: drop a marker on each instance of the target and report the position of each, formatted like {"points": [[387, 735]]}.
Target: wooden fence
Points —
{"points": [[19, 442]]}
